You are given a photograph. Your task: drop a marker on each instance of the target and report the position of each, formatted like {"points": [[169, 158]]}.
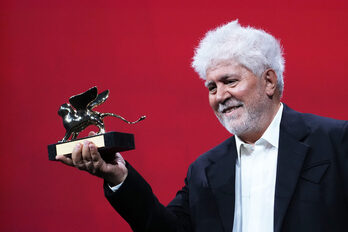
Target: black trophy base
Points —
{"points": [[107, 144]]}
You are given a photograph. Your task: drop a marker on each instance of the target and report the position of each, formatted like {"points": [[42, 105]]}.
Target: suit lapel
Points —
{"points": [[291, 155], [221, 178]]}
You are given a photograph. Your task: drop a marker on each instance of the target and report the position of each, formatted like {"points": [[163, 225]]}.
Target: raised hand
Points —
{"points": [[87, 158]]}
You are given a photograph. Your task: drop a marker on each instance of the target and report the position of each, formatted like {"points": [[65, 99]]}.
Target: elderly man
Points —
{"points": [[281, 171]]}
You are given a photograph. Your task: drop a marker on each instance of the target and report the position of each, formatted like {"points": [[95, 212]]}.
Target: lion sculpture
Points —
{"points": [[79, 114]]}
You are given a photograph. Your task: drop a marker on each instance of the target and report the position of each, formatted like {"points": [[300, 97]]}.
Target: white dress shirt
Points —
{"points": [[256, 169]]}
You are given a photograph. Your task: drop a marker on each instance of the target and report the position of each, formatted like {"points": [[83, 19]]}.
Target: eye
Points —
{"points": [[230, 81], [212, 88]]}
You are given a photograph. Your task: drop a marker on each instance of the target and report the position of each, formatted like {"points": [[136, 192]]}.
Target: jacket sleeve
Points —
{"points": [[343, 158], [137, 204]]}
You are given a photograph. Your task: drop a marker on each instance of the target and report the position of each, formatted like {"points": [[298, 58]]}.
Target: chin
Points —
{"points": [[233, 127], [236, 130]]}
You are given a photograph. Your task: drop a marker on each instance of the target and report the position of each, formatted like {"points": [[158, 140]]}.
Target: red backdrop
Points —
{"points": [[141, 51]]}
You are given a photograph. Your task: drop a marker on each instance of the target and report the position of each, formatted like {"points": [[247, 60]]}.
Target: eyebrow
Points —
{"points": [[222, 78], [207, 83]]}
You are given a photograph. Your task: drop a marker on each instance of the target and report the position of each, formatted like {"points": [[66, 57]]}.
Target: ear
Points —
{"points": [[271, 81]]}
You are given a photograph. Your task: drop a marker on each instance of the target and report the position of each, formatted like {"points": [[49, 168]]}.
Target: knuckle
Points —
{"points": [[76, 163], [80, 167], [94, 151]]}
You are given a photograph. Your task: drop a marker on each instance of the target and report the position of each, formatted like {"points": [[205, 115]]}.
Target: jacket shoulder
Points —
{"points": [[322, 124], [215, 153], [294, 122]]}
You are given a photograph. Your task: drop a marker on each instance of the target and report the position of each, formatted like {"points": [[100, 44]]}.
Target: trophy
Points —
{"points": [[78, 115]]}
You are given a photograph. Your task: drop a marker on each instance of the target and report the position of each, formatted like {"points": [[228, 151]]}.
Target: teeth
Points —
{"points": [[230, 109]]}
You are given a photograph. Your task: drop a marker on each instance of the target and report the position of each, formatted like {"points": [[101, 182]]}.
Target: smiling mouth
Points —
{"points": [[230, 109]]}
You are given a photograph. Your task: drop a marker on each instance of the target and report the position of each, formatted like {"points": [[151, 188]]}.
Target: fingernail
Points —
{"points": [[85, 143]]}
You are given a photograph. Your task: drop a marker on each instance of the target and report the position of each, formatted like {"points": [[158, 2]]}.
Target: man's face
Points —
{"points": [[237, 97]]}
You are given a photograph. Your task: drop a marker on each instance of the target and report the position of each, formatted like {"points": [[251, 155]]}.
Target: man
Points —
{"points": [[281, 171]]}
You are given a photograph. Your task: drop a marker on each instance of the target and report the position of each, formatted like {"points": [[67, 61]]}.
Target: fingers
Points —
{"points": [[91, 133], [95, 156], [96, 160], [65, 160], [86, 154], [86, 157], [76, 156]]}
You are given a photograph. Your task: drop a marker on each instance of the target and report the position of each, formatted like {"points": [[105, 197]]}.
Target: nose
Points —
{"points": [[222, 94]]}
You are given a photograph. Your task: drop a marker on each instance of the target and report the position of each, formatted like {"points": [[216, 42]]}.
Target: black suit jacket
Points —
{"points": [[311, 191]]}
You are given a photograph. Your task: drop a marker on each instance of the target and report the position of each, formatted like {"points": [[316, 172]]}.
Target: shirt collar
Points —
{"points": [[271, 135]]}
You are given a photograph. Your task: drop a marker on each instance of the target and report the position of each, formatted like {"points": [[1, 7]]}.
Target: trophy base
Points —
{"points": [[107, 143]]}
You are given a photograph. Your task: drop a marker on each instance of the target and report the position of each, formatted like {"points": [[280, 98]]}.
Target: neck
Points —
{"points": [[256, 132]]}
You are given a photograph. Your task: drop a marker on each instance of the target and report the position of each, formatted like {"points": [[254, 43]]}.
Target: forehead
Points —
{"points": [[225, 68]]}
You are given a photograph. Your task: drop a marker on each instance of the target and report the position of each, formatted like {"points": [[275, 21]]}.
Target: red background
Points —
{"points": [[141, 51]]}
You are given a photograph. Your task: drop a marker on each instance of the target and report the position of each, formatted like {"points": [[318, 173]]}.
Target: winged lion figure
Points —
{"points": [[79, 114]]}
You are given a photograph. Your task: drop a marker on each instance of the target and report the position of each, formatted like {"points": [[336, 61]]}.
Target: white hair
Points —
{"points": [[253, 48]]}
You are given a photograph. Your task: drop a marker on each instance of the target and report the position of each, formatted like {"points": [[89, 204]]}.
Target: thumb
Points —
{"points": [[119, 159]]}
